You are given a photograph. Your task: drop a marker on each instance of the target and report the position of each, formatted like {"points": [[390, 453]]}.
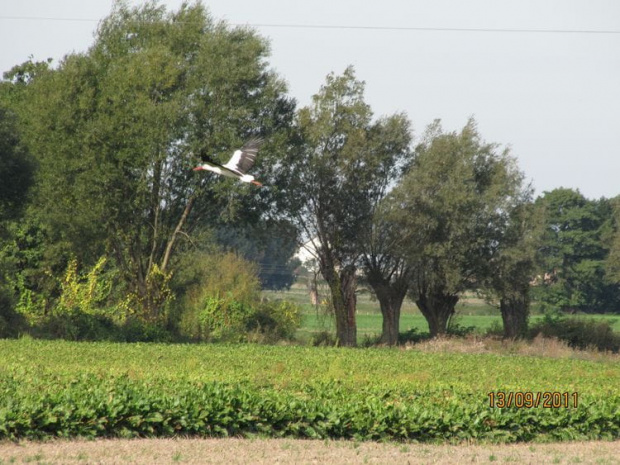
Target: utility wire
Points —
{"points": [[363, 28], [434, 29]]}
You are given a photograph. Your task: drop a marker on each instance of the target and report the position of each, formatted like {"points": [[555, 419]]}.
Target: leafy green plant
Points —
{"points": [[60, 389], [83, 292], [223, 319], [275, 320]]}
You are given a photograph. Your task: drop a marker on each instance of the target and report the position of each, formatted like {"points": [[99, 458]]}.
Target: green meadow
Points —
{"points": [[470, 312]]}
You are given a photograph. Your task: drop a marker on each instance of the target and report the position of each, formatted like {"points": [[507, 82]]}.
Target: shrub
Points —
{"points": [[223, 319], [578, 333], [412, 336], [275, 320], [216, 292], [138, 330], [84, 293], [323, 339], [77, 326]]}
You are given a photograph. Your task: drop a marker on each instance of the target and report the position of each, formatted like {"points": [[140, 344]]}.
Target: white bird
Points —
{"points": [[241, 161]]}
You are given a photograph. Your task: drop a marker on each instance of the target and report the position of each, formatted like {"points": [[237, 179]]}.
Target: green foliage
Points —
{"points": [[59, 389], [210, 281], [85, 293], [612, 238], [579, 333], [116, 130], [16, 168], [449, 212], [222, 302], [275, 320], [223, 319], [152, 303], [574, 255], [11, 322], [331, 189]]}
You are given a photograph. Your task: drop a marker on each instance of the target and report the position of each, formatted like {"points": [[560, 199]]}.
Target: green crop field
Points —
{"points": [[64, 389]]}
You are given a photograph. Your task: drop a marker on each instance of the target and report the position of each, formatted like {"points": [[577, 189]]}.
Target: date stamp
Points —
{"points": [[528, 399]]}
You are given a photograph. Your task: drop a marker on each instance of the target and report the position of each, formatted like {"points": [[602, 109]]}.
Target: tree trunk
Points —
{"points": [[515, 313], [342, 285], [437, 307], [390, 301]]}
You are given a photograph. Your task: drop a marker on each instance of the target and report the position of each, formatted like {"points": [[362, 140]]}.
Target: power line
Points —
{"points": [[361, 28], [434, 29], [43, 18]]}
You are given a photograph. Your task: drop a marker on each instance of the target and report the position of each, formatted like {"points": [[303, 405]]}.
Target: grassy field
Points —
{"points": [[62, 389], [471, 312]]}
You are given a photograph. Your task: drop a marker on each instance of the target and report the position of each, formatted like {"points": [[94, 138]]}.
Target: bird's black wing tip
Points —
{"points": [[254, 141]]}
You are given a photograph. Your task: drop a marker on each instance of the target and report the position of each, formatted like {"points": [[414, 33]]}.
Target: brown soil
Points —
{"points": [[288, 451]]}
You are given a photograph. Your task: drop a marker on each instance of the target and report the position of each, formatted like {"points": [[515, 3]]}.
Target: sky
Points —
{"points": [[553, 98]]}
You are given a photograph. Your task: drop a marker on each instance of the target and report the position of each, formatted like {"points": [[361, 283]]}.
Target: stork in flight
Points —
{"points": [[241, 161]]}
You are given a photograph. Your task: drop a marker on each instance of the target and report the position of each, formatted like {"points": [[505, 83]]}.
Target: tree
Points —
{"points": [[117, 129], [16, 173], [331, 187], [16, 168], [574, 253], [612, 263], [449, 207], [513, 266], [385, 268]]}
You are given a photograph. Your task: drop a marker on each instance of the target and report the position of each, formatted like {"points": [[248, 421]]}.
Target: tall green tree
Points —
{"points": [[574, 253], [332, 185], [513, 265], [117, 129], [449, 208], [385, 268], [16, 168]]}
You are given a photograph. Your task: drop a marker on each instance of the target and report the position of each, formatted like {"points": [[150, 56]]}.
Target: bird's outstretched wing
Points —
{"points": [[244, 158]]}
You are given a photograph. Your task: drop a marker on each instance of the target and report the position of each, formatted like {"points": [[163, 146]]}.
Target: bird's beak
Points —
{"points": [[256, 183], [198, 168]]}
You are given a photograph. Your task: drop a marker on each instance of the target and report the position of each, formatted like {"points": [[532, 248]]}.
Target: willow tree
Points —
{"points": [[334, 181], [449, 208], [116, 130], [513, 267]]}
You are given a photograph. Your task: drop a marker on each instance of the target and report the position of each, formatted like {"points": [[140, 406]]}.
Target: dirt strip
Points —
{"points": [[289, 451]]}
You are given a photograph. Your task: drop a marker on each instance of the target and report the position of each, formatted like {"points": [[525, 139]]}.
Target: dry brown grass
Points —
{"points": [[288, 451], [540, 347]]}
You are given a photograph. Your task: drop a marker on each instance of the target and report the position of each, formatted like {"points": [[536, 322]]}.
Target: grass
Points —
{"points": [[470, 312]]}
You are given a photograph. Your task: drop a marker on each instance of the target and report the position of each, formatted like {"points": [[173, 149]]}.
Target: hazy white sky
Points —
{"points": [[554, 98]]}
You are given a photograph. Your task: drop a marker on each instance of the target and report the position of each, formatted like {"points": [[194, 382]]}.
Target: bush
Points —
{"points": [[11, 322], [412, 336], [323, 339], [139, 330], [232, 321], [275, 320], [578, 333], [211, 285], [77, 326], [223, 320]]}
